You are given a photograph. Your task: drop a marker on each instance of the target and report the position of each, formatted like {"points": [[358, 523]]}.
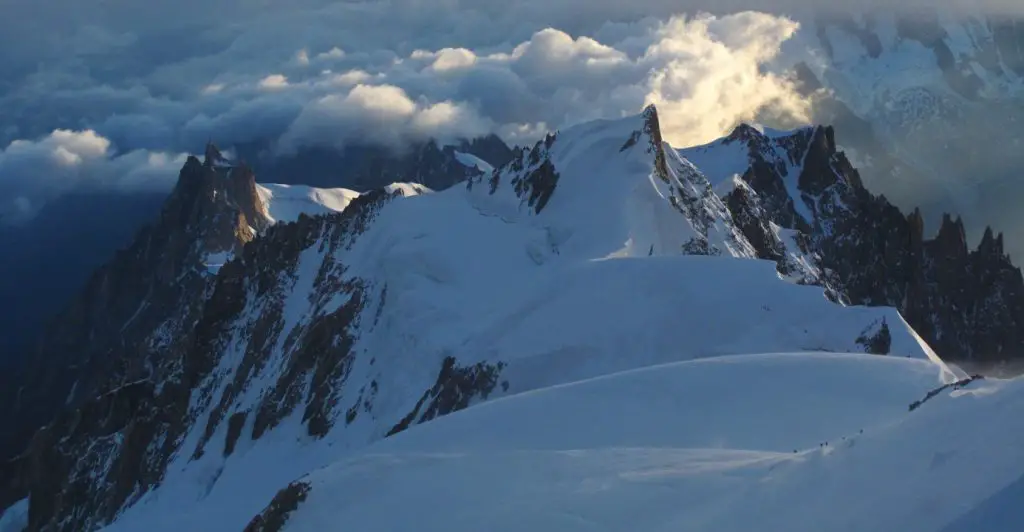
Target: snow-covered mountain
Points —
{"points": [[205, 221], [925, 102], [597, 275]]}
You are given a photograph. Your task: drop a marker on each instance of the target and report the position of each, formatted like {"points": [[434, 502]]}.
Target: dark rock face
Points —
{"points": [[235, 425], [532, 175], [455, 388], [157, 353], [275, 515], [112, 365], [877, 341], [103, 454], [368, 167], [110, 333], [903, 144], [967, 304]]}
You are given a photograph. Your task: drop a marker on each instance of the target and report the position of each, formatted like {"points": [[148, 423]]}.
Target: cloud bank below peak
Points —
{"points": [[146, 86], [315, 90], [165, 77], [34, 172]]}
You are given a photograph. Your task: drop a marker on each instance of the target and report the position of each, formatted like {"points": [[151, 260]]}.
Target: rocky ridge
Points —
{"points": [[118, 329], [968, 304], [921, 98]]}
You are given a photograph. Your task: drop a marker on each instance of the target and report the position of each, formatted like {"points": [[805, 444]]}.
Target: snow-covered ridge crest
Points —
{"points": [[611, 188]]}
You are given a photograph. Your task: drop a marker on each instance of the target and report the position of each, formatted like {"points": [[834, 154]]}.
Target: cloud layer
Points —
{"points": [[114, 92], [313, 94], [33, 172], [163, 77]]}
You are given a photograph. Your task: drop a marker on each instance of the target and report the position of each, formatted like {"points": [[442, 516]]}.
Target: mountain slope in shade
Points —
{"points": [[573, 260], [107, 333], [119, 330], [801, 442], [50, 258]]}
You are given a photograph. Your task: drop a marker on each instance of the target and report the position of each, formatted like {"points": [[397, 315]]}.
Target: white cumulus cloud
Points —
{"points": [[33, 172]]}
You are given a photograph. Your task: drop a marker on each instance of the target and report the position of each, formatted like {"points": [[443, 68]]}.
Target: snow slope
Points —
{"points": [[285, 202], [472, 161], [735, 443]]}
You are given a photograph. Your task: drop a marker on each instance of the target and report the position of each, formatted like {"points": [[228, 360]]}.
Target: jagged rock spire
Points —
{"points": [[652, 128], [212, 155]]}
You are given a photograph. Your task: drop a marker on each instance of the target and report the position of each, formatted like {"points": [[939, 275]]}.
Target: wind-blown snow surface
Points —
{"points": [[730, 444], [584, 279]]}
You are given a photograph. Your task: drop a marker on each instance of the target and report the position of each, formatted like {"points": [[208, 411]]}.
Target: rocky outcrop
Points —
{"points": [[120, 327], [536, 182], [455, 388], [876, 340], [958, 385], [112, 365], [529, 172], [922, 138], [967, 304], [275, 515]]}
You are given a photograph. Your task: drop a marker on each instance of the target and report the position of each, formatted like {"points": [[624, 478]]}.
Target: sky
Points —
{"points": [[112, 93]]}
